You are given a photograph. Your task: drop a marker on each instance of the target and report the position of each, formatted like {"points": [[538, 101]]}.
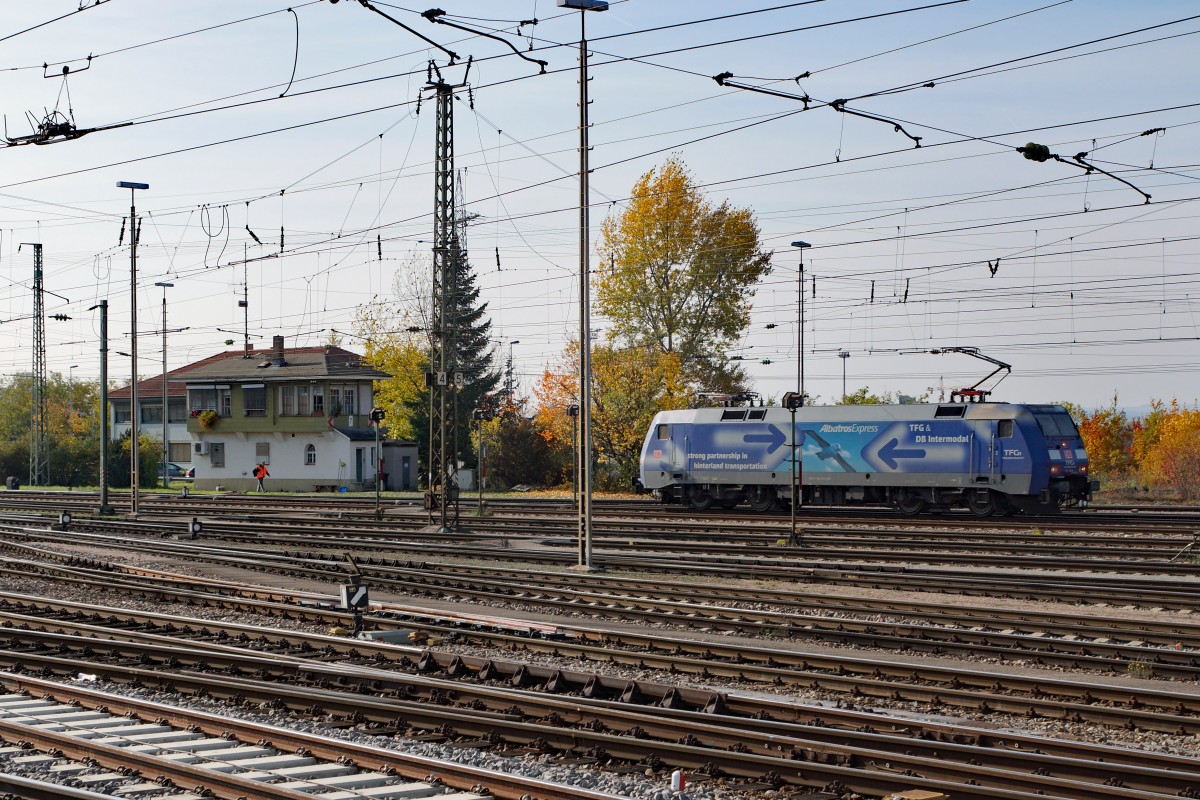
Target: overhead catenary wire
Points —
{"points": [[290, 236]]}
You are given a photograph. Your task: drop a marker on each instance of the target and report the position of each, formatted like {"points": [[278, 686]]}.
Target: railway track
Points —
{"points": [[1168, 710], [1091, 588], [466, 691], [746, 744], [167, 745], [1166, 519]]}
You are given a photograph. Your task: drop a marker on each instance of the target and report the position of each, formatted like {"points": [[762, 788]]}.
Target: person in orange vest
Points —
{"points": [[260, 472]]}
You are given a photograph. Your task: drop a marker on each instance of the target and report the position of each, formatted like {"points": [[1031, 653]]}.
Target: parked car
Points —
{"points": [[176, 472]]}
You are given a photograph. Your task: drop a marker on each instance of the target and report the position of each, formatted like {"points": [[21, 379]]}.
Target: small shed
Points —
{"points": [[400, 466]]}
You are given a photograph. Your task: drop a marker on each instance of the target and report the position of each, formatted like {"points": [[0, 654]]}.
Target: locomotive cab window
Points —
{"points": [[739, 413], [1004, 428], [949, 411], [757, 413], [1056, 424], [662, 432]]}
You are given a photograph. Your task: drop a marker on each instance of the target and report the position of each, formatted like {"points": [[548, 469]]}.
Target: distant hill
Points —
{"points": [[1134, 412]]}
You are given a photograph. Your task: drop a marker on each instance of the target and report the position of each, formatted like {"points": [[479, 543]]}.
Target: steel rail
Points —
{"points": [[461, 776], [752, 712], [738, 752], [844, 674]]}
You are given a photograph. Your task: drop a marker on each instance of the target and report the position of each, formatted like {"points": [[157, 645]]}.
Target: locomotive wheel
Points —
{"points": [[982, 504], [910, 503], [760, 498], [700, 498]]}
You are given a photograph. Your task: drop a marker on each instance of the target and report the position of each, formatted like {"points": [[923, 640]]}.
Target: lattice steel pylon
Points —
{"points": [[441, 496], [39, 445]]}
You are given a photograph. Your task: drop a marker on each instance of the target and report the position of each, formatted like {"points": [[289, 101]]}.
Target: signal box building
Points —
{"points": [[304, 412]]}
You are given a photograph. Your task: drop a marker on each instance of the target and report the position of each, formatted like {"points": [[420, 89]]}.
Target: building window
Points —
{"points": [[120, 411], [287, 401], [318, 399], [343, 400], [151, 412], [254, 401], [262, 452], [177, 408], [180, 452], [216, 453], [302, 400], [310, 455], [209, 400]]}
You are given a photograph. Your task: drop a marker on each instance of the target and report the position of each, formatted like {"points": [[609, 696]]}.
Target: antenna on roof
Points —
{"points": [[244, 303]]}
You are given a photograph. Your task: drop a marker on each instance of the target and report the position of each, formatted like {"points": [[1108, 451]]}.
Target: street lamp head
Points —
{"points": [[843, 354], [132, 185], [801, 245], [163, 284], [514, 341], [584, 5]]}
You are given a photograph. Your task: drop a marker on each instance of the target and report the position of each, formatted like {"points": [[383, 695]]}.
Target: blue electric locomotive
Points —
{"points": [[993, 458]]}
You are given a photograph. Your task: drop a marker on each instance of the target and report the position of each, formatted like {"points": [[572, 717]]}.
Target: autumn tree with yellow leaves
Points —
{"points": [[389, 346], [631, 385], [677, 274], [1170, 448], [1160, 450]]}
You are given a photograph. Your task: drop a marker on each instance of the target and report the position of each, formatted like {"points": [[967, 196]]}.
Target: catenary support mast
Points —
{"points": [[441, 497], [39, 446]]}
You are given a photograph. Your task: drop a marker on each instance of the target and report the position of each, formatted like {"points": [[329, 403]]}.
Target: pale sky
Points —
{"points": [[1095, 291]]}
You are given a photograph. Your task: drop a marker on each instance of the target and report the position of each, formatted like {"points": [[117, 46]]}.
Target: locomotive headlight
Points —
{"points": [[1083, 469], [1056, 469]]}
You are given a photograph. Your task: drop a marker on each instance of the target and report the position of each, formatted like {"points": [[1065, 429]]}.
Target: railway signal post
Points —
{"points": [[377, 416], [792, 401]]}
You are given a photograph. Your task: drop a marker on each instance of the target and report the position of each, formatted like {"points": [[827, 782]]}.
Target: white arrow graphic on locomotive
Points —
{"points": [[891, 451], [773, 438], [921, 447], [737, 447]]}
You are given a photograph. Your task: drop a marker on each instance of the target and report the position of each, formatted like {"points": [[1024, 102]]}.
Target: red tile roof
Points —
{"points": [[176, 387]]}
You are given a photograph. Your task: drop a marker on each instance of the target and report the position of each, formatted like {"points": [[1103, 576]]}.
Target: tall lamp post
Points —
{"points": [[800, 289], [166, 476], [511, 387], [71, 386], [105, 508], [585, 333], [133, 337], [843, 355]]}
